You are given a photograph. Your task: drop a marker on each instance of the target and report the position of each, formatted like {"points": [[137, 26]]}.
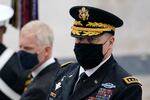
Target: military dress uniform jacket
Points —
{"points": [[109, 82], [39, 88], [12, 74]]}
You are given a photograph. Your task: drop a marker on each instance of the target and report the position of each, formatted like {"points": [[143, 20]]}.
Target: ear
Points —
{"points": [[48, 51], [3, 29], [112, 40]]}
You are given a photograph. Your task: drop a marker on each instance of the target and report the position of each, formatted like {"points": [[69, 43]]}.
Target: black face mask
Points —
{"points": [[89, 55], [28, 60]]}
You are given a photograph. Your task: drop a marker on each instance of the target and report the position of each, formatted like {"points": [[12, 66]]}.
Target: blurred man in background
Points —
{"points": [[96, 76], [12, 75], [36, 48]]}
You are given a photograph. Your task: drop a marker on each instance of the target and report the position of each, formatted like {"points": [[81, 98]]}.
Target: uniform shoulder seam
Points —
{"points": [[66, 64]]}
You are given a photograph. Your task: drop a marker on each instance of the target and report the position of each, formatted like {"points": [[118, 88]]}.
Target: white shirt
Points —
{"points": [[43, 66], [89, 72]]}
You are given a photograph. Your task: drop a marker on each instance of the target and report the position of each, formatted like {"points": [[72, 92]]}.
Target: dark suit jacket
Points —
{"points": [[105, 84], [12, 74], [39, 88]]}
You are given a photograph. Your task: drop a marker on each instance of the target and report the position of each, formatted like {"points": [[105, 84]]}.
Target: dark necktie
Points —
{"points": [[28, 81], [81, 81]]}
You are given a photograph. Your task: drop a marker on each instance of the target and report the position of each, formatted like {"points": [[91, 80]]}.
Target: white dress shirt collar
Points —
{"points": [[89, 72], [43, 66]]}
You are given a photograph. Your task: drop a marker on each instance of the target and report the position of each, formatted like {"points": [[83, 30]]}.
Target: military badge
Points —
{"points": [[83, 13], [52, 94], [108, 85], [103, 94], [58, 85], [63, 78]]}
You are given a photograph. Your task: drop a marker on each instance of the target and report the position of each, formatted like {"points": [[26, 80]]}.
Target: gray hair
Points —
{"points": [[42, 31]]}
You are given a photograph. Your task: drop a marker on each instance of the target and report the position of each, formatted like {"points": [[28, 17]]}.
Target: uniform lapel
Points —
{"points": [[68, 83], [52, 68], [93, 82]]}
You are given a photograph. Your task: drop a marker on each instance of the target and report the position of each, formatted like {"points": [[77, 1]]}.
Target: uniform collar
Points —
{"points": [[89, 72], [43, 66]]}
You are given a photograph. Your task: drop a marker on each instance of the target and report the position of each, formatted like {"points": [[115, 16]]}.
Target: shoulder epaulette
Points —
{"points": [[67, 63], [131, 80]]}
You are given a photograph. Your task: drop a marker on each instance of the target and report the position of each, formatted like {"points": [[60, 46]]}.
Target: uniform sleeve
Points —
{"points": [[132, 92]]}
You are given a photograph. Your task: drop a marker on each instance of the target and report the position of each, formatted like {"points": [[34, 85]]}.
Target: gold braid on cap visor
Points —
{"points": [[91, 29]]}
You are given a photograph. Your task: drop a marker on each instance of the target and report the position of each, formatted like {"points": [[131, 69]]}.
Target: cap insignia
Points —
{"points": [[83, 13]]}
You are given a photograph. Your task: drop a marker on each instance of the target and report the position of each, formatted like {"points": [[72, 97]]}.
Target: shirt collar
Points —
{"points": [[89, 72], [44, 65]]}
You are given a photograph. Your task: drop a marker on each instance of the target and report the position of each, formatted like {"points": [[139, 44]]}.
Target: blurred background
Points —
{"points": [[131, 49]]}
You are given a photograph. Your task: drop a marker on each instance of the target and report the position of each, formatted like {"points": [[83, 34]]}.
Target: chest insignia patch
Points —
{"points": [[108, 85]]}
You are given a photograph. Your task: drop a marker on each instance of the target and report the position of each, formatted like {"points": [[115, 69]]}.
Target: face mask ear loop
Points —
{"points": [[108, 49]]}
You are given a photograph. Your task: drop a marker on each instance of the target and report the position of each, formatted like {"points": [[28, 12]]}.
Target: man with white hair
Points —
{"points": [[36, 44], [12, 76]]}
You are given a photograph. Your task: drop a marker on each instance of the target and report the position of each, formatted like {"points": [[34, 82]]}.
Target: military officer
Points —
{"points": [[97, 75], [12, 76]]}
